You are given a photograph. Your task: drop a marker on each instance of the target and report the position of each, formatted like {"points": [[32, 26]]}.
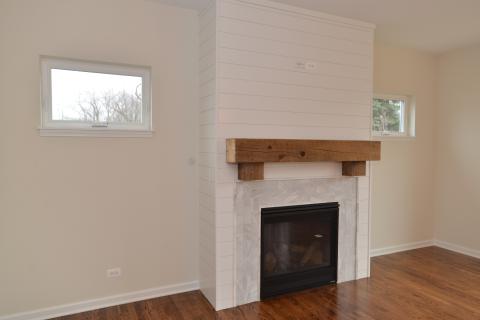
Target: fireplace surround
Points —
{"points": [[240, 99], [298, 247], [252, 196]]}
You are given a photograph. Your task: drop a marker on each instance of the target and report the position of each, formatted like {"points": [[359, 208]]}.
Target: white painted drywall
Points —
{"points": [[72, 207], [402, 187], [457, 178]]}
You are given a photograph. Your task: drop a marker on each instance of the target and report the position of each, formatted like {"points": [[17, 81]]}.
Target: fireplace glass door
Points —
{"points": [[298, 248]]}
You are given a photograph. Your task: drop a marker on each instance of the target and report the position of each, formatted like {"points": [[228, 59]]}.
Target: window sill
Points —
{"points": [[393, 138], [104, 133]]}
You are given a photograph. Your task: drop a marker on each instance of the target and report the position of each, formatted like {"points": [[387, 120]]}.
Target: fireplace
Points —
{"points": [[299, 247]]}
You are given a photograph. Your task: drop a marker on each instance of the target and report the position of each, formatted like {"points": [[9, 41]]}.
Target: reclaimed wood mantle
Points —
{"points": [[251, 154]]}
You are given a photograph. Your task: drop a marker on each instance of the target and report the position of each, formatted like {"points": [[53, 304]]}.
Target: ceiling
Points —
{"points": [[430, 25]]}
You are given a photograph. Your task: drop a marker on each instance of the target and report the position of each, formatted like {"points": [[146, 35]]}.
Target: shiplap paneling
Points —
{"points": [[263, 91], [282, 118], [254, 84], [282, 34], [285, 49], [273, 89], [289, 132], [293, 77], [207, 152], [279, 104], [207, 61], [275, 171], [290, 20], [281, 62]]}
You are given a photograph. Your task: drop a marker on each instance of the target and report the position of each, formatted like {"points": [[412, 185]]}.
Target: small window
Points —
{"points": [[392, 116], [88, 98]]}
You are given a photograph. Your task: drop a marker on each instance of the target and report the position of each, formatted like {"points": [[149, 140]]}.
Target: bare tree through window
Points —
{"points": [[111, 107], [87, 98]]}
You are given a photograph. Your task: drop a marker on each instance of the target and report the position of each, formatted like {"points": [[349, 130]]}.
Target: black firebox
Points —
{"points": [[299, 248]]}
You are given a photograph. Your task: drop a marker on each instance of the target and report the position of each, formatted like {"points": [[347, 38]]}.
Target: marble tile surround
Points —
{"points": [[251, 197]]}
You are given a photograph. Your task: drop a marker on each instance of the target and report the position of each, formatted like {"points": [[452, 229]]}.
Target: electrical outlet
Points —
{"points": [[310, 65], [300, 65], [114, 273], [306, 65]]}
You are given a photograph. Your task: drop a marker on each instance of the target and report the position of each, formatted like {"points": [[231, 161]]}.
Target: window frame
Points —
{"points": [[50, 127], [407, 119]]}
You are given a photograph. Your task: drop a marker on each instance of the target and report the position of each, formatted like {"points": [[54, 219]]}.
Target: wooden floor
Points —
{"points": [[429, 283]]}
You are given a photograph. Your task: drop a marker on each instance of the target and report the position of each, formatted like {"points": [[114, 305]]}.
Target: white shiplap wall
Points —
{"points": [[207, 152], [261, 89]]}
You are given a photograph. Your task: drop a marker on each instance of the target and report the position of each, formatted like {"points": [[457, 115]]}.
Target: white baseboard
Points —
{"points": [[459, 249], [58, 311], [400, 248], [422, 244]]}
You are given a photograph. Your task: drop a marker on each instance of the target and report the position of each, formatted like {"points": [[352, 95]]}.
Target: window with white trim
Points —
{"points": [[90, 98], [392, 116]]}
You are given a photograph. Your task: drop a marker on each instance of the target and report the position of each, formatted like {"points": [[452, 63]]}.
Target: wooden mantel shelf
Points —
{"points": [[251, 154]]}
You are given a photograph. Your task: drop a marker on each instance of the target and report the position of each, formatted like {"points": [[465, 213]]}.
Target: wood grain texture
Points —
{"points": [[429, 283], [354, 168], [286, 150], [246, 152], [250, 171]]}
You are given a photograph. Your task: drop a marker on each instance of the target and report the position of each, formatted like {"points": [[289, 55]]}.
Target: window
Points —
{"points": [[87, 98], [392, 116]]}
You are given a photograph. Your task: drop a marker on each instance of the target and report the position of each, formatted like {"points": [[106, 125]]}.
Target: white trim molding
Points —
{"points": [[407, 119], [105, 133], [400, 248], [422, 244], [79, 126], [458, 249], [88, 305]]}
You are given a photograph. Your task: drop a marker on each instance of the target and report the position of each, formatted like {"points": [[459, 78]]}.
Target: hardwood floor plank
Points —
{"points": [[429, 283], [192, 306]]}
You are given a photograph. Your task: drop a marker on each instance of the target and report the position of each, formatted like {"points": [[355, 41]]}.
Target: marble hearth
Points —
{"points": [[251, 197]]}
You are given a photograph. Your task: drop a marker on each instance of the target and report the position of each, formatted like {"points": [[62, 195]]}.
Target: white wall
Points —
{"points": [[260, 92], [72, 207], [402, 188], [457, 201], [207, 156], [263, 93]]}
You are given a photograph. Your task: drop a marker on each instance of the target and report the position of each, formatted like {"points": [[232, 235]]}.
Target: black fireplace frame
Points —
{"points": [[274, 285]]}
